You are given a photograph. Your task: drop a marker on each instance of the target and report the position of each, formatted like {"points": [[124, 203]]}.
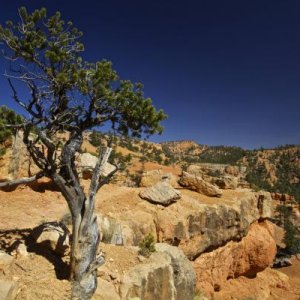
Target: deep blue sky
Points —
{"points": [[226, 72]]}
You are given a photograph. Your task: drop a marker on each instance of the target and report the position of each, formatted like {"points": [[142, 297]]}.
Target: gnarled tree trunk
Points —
{"points": [[84, 257]]}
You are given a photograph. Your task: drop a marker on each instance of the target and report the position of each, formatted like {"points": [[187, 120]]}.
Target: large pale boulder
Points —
{"points": [[8, 290], [166, 275], [150, 178], [87, 163], [252, 254], [197, 184], [161, 193], [150, 281], [183, 271], [53, 236]]}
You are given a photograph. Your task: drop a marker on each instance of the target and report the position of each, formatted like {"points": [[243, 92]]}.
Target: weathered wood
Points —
{"points": [[20, 181]]}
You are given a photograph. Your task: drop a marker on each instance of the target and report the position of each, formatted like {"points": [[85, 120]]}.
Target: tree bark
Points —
{"points": [[84, 264]]}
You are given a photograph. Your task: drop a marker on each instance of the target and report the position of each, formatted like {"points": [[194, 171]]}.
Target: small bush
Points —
{"points": [[147, 245]]}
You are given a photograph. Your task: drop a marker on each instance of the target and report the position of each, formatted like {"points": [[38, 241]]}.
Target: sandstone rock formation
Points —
{"points": [[53, 236], [252, 254], [161, 193], [197, 184]]}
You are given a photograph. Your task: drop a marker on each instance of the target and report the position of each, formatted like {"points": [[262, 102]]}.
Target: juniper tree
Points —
{"points": [[67, 93]]}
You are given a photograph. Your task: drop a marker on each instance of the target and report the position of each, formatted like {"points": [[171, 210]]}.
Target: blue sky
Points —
{"points": [[226, 72]]}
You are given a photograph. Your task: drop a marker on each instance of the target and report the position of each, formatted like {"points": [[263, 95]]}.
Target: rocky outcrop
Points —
{"points": [[152, 177], [53, 236], [161, 193], [195, 223], [166, 275], [197, 184], [252, 254]]}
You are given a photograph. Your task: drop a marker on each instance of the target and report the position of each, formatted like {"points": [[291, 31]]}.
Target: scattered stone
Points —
{"points": [[8, 290], [111, 259], [161, 193], [53, 236], [197, 184], [21, 250]]}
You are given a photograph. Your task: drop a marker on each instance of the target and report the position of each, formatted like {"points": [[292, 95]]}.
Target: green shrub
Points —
{"points": [[147, 245]]}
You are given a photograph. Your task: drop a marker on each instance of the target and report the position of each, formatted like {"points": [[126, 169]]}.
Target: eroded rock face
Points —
{"points": [[197, 227], [53, 236], [252, 254], [167, 275], [161, 193], [197, 184], [152, 177]]}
